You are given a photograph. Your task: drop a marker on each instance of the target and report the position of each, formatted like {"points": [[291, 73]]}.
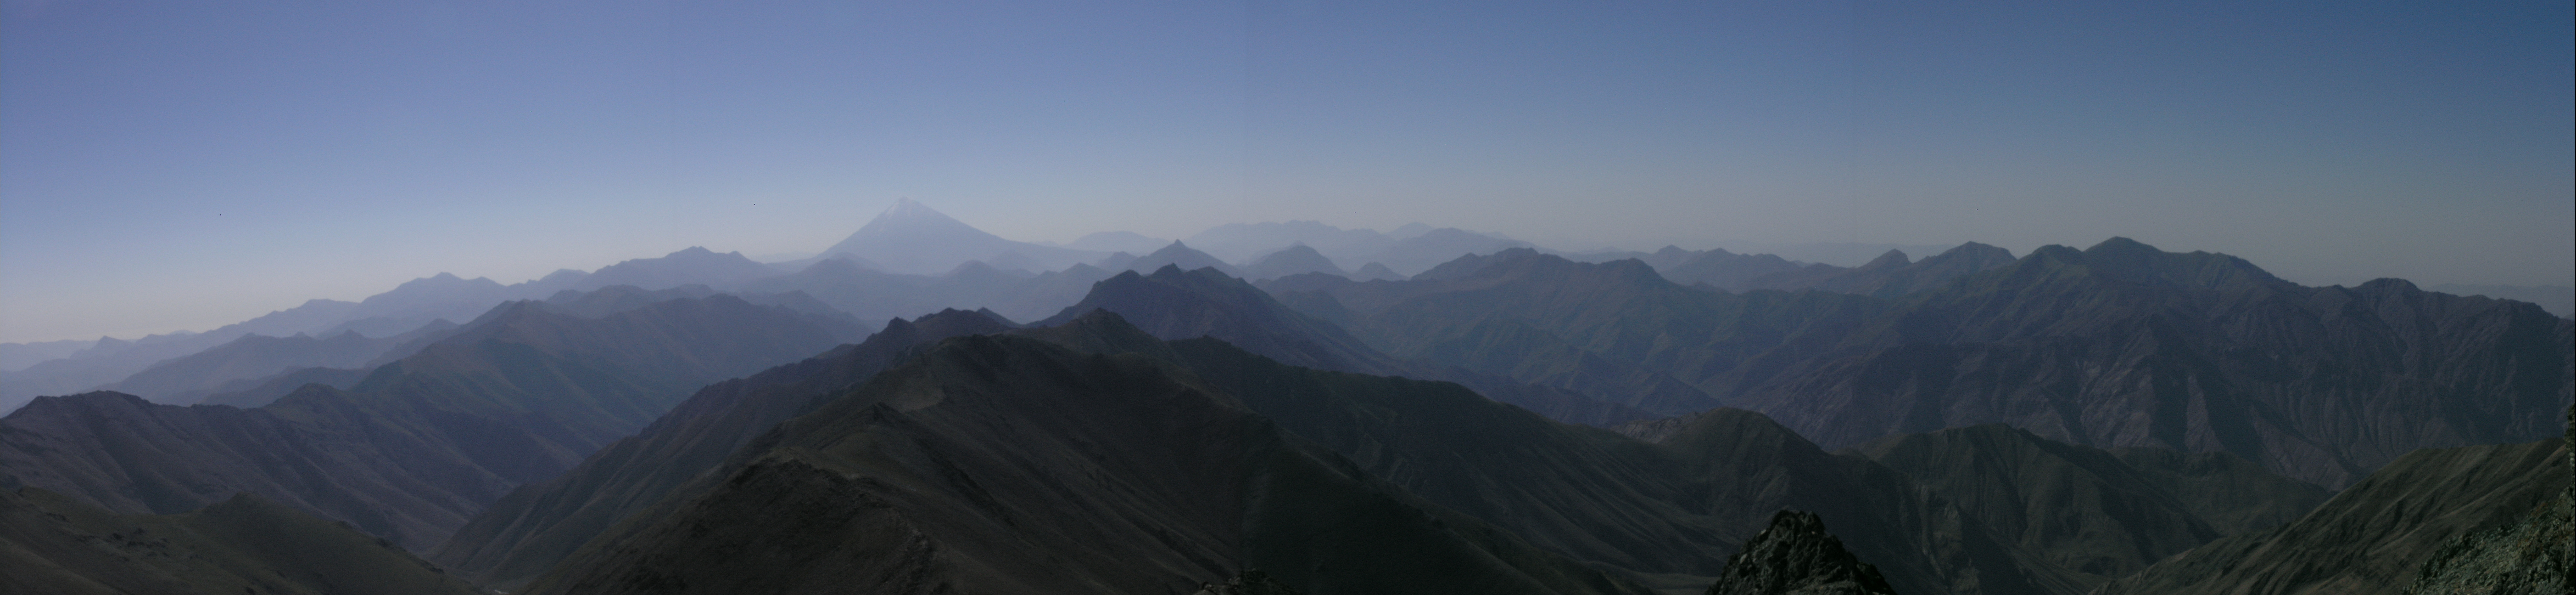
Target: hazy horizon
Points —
{"points": [[181, 168]]}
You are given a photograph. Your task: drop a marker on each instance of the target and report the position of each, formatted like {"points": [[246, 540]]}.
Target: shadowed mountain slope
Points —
{"points": [[955, 472], [1175, 304], [401, 310], [2370, 538], [257, 392], [57, 545], [2085, 509], [1892, 274], [539, 523], [2125, 345], [2117, 345], [1587, 494], [1593, 495], [189, 379], [422, 443], [1293, 260], [1376, 271], [876, 295], [692, 266], [1180, 255], [1116, 241], [1240, 241], [1419, 253], [1612, 329], [1722, 269]]}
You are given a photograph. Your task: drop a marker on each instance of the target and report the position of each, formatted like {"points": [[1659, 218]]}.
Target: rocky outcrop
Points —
{"points": [[1795, 556], [2533, 556]]}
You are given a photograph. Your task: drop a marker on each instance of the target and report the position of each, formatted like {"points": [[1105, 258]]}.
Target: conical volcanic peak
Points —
{"points": [[1796, 556], [910, 237]]}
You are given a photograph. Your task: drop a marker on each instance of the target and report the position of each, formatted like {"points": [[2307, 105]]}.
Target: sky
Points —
{"points": [[182, 165]]}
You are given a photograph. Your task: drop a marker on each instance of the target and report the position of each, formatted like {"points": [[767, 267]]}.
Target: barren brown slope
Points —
{"points": [[1011, 465]]}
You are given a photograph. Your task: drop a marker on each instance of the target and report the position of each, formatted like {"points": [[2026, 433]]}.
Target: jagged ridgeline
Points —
{"points": [[1004, 464], [2117, 345], [2110, 420], [1796, 556]]}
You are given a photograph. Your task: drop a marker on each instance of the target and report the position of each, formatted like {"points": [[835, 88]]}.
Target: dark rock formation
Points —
{"points": [[1795, 556]]}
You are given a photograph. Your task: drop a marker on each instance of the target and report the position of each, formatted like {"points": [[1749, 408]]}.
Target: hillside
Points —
{"points": [[2370, 538], [422, 443], [246, 544], [539, 523], [966, 462], [2114, 346]]}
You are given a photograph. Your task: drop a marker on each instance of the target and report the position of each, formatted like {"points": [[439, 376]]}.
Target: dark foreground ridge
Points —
{"points": [[58, 545], [1796, 556], [1251, 582]]}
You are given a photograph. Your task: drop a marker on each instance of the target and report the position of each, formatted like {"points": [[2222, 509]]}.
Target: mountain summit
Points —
{"points": [[910, 237]]}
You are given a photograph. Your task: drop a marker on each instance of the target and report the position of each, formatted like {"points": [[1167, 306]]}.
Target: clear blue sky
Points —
{"points": [[181, 165]]}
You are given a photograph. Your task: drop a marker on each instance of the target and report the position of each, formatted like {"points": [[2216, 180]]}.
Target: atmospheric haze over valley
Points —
{"points": [[1235, 298]]}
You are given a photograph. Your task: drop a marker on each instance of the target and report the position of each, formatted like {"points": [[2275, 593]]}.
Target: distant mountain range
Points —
{"points": [[407, 308], [421, 443], [2117, 345], [1181, 428], [1215, 417]]}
